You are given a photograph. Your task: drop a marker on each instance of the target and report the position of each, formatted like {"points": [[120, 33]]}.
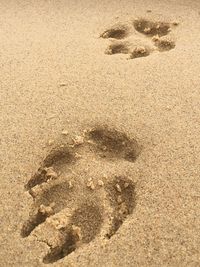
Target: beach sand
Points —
{"points": [[100, 123]]}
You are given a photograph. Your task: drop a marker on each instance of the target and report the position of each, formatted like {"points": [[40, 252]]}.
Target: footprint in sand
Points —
{"points": [[70, 209], [157, 31]]}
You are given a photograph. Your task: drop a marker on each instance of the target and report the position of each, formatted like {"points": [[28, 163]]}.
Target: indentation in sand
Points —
{"points": [[164, 43], [157, 30], [118, 48], [76, 214], [151, 28], [140, 51], [118, 31]]}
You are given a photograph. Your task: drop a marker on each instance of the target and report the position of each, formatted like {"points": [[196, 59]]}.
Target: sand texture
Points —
{"points": [[100, 133]]}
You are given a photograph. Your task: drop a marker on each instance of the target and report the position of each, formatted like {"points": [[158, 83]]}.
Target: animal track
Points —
{"points": [[117, 32], [84, 226], [164, 43], [117, 48], [111, 143], [70, 209], [55, 160], [122, 195], [140, 51], [157, 30], [151, 28]]}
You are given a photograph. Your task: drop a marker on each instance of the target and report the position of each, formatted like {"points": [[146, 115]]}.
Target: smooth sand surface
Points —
{"points": [[55, 77]]}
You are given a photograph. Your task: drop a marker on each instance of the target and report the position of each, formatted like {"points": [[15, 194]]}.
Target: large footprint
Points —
{"points": [[69, 209]]}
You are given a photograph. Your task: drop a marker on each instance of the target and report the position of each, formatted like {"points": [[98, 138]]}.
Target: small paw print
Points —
{"points": [[143, 37]]}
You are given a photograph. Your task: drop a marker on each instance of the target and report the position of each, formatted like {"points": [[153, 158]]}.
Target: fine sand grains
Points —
{"points": [[99, 143]]}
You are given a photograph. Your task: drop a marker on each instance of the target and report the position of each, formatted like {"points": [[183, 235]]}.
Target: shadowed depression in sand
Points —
{"points": [[87, 218]]}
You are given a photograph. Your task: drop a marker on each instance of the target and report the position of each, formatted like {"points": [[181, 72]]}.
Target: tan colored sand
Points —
{"points": [[56, 78]]}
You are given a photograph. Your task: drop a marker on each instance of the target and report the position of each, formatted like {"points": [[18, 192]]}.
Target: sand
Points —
{"points": [[99, 120]]}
